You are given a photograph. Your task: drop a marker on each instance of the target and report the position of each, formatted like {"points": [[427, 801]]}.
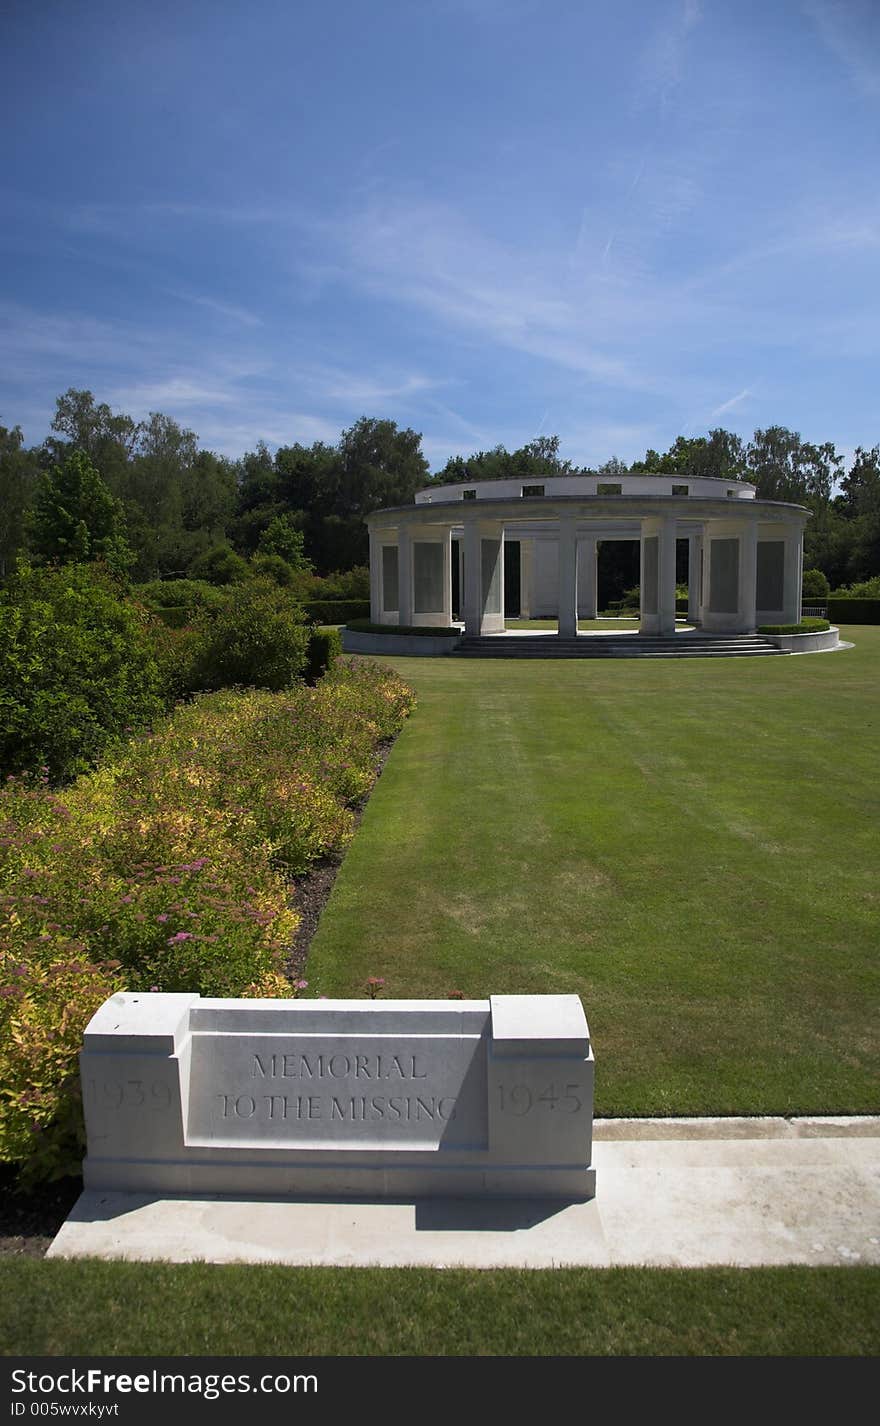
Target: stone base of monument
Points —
{"points": [[674, 1193], [340, 1099]]}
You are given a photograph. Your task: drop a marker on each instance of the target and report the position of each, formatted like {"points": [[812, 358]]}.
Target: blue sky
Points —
{"points": [[485, 219]]}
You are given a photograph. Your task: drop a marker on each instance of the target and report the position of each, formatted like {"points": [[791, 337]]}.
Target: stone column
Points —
{"points": [[471, 600], [375, 578], [657, 575], [447, 576], [793, 577], [567, 577], [587, 607], [404, 576], [649, 562], [491, 577], [483, 577], [695, 567], [748, 575], [526, 577], [666, 592]]}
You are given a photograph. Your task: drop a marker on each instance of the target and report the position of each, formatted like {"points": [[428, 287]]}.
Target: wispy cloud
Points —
{"points": [[229, 310], [429, 256], [731, 403], [664, 55]]}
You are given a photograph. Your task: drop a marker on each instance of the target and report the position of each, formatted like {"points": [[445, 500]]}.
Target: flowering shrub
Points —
{"points": [[168, 869], [43, 1010]]}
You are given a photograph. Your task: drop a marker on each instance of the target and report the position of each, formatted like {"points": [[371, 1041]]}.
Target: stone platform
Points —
{"points": [[670, 1193]]}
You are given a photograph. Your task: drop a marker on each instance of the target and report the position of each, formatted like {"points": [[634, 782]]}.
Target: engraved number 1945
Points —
{"points": [[520, 1099]]}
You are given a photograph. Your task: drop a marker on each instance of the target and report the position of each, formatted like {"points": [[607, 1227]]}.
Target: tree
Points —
{"points": [[860, 487], [719, 455], [75, 519], [281, 537], [859, 503], [107, 439], [535, 459], [783, 467], [77, 669], [380, 466], [19, 472]]}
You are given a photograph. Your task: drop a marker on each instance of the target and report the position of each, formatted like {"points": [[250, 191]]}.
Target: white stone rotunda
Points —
{"points": [[745, 555]]}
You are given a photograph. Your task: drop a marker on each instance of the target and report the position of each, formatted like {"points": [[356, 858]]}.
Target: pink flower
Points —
{"points": [[180, 936]]}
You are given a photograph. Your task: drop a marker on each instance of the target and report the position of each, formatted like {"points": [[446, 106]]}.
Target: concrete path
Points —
{"points": [[670, 1192]]}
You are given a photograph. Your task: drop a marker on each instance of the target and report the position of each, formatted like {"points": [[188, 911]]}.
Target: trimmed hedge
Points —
{"points": [[853, 611], [806, 626], [363, 626], [336, 611]]}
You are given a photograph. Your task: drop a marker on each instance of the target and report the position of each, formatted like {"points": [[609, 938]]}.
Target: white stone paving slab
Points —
{"points": [[673, 1193]]}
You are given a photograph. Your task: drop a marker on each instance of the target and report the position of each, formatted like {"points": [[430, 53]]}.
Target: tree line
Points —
{"points": [[161, 507]]}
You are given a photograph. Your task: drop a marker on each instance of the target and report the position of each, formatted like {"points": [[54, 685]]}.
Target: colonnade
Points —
{"points": [[742, 570]]}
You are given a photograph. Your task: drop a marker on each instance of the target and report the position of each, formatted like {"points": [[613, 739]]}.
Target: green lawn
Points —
{"points": [[690, 846], [120, 1309]]}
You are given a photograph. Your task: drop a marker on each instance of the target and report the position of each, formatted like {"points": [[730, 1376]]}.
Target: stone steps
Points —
{"points": [[611, 646]]}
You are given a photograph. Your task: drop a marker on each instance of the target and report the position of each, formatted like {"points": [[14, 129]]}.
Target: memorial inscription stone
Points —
{"points": [[339, 1098]]}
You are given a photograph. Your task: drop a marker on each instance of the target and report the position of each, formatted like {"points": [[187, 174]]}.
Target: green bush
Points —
{"points": [[336, 611], [845, 610], [341, 584], [806, 626], [189, 595], [257, 639], [77, 669], [325, 647], [276, 568], [220, 566], [363, 626], [867, 589], [814, 586]]}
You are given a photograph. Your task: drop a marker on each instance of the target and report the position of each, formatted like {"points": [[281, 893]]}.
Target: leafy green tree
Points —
{"points": [[281, 537], [108, 439], [257, 479], [381, 466], [19, 472], [76, 669], [536, 458], [783, 467], [720, 455], [75, 519]]}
